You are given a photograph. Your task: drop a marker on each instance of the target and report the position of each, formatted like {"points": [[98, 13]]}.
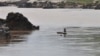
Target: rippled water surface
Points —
{"points": [[79, 41]]}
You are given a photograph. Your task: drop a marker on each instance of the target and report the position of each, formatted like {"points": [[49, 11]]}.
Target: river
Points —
{"points": [[83, 33]]}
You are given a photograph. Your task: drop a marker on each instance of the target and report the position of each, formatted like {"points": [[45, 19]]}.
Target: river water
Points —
{"points": [[83, 33]]}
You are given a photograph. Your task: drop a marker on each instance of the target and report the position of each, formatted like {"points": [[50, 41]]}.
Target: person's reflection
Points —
{"points": [[6, 32]]}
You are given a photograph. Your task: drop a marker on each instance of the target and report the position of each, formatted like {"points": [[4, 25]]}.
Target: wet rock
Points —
{"points": [[2, 21], [17, 21], [97, 6]]}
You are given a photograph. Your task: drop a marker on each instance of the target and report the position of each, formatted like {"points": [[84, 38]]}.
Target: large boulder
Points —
{"points": [[97, 6], [16, 21]]}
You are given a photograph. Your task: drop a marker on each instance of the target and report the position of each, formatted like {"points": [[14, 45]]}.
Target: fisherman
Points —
{"points": [[65, 32]]}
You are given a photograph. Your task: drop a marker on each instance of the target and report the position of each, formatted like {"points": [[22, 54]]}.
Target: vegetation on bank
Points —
{"points": [[81, 1], [86, 4]]}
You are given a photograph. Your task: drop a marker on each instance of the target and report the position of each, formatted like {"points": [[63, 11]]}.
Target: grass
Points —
{"points": [[81, 1]]}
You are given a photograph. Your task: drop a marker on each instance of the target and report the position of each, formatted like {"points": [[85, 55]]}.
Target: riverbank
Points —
{"points": [[85, 4]]}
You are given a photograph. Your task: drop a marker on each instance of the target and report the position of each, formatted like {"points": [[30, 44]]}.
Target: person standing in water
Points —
{"points": [[65, 32]]}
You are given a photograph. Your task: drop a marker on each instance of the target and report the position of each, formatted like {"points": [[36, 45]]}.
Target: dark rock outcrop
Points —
{"points": [[97, 6], [16, 21], [2, 21]]}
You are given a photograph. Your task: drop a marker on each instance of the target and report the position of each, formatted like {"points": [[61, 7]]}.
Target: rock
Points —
{"points": [[97, 6], [16, 21], [2, 21]]}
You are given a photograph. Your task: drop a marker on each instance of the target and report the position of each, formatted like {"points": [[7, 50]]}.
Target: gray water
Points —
{"points": [[81, 39]]}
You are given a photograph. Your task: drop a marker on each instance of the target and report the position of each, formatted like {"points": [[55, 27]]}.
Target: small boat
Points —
{"points": [[61, 33]]}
